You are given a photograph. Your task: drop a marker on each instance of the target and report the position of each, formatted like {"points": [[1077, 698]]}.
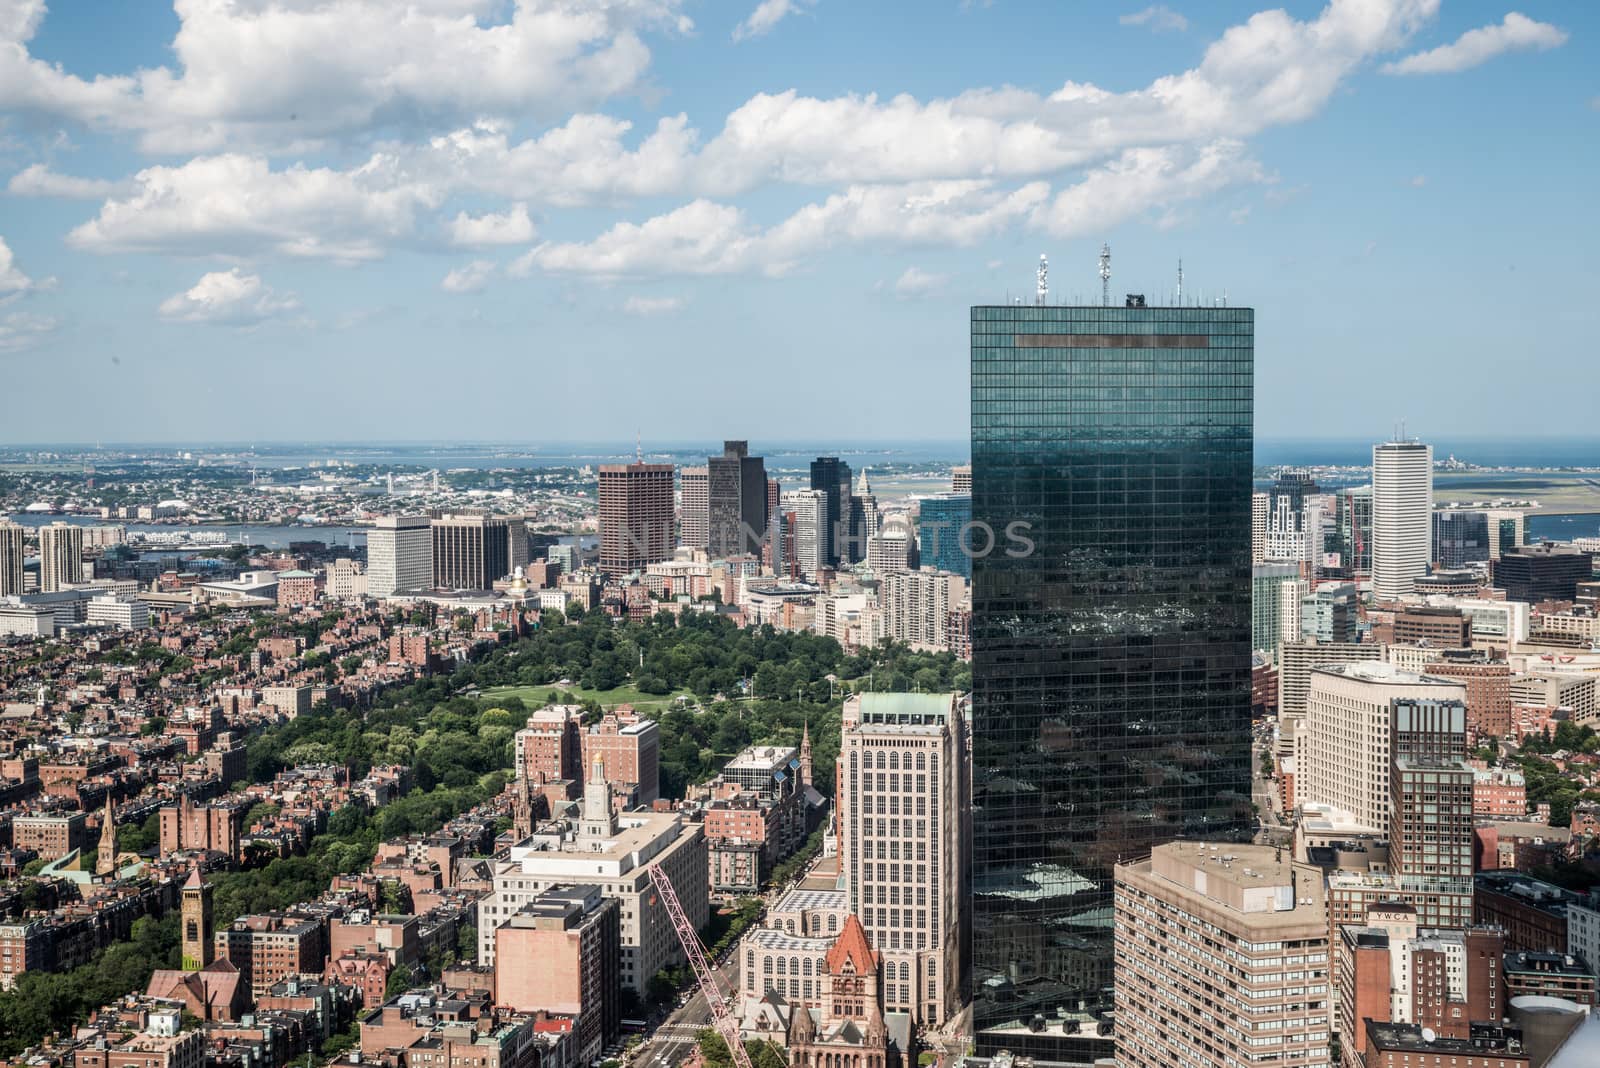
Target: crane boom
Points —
{"points": [[722, 1017]]}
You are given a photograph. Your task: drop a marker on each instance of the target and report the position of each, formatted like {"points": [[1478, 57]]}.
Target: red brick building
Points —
{"points": [[187, 826]]}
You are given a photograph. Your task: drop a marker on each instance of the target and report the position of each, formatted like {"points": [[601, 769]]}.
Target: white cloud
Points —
{"points": [[469, 279], [767, 14], [229, 298], [652, 305], [698, 238], [1517, 32], [513, 227], [40, 181], [14, 282], [914, 282], [705, 237], [23, 330], [1159, 17], [238, 206], [1143, 179], [250, 72]]}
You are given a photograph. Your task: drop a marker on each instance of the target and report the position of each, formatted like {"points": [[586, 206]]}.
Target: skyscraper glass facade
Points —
{"points": [[1111, 659], [942, 535]]}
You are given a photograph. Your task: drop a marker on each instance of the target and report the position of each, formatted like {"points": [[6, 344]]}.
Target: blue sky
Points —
{"points": [[579, 219]]}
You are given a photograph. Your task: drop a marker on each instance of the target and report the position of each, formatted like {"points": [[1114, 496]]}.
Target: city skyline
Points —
{"points": [[591, 199]]}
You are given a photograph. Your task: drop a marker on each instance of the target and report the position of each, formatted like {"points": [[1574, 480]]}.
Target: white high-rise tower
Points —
{"points": [[1402, 511]]}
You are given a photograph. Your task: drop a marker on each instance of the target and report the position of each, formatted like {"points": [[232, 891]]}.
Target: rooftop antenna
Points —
{"points": [[1105, 275], [638, 448], [1180, 282], [1044, 279]]}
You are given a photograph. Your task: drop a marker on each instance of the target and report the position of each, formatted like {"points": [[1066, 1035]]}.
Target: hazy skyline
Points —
{"points": [[572, 221]]}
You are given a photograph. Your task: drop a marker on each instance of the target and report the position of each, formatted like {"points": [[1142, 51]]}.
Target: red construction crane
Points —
{"points": [[722, 1017]]}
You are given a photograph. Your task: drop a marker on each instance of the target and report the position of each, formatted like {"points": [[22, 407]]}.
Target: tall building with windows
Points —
{"points": [[694, 516], [1176, 1003], [399, 555], [1402, 516], [470, 549], [902, 779], [736, 501], [1111, 650], [635, 516], [60, 556], [10, 558], [1353, 524], [1460, 538], [810, 531], [942, 535], [1260, 511], [196, 919], [831, 475]]}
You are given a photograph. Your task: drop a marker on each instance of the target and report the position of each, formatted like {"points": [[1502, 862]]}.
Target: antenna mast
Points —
{"points": [[1105, 275], [1044, 280], [1180, 282]]}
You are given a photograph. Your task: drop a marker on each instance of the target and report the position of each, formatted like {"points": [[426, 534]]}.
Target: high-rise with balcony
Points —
{"points": [[60, 556], [399, 555], [1402, 516], [10, 558], [1110, 636], [635, 516]]}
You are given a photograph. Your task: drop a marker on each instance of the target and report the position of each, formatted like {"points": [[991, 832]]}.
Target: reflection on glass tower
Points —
{"points": [[1111, 664]]}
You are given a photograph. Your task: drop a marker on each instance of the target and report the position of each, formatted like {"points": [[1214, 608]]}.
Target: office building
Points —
{"points": [[1574, 691], [1177, 1002], [109, 610], [943, 537], [1399, 972], [1508, 530], [1273, 587], [902, 780], [1110, 641], [1547, 571], [1488, 686], [60, 556], [1439, 628], [779, 548], [961, 479], [1289, 525], [594, 844], [635, 516], [11, 558], [810, 531], [1342, 756], [561, 954], [863, 519], [1329, 614], [470, 549], [893, 547], [736, 501], [1402, 510], [694, 513], [399, 555], [1460, 538], [1353, 529], [831, 476]]}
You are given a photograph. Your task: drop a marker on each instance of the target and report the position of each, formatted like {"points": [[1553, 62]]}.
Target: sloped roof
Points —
{"points": [[853, 947]]}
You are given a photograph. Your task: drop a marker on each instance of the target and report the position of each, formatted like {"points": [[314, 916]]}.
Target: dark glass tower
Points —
{"points": [[831, 475], [1111, 661]]}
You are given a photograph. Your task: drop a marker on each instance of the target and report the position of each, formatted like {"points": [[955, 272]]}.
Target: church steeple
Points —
{"points": [[805, 753], [106, 860], [196, 918]]}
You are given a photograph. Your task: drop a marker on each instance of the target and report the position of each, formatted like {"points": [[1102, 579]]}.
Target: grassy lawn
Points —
{"points": [[535, 696]]}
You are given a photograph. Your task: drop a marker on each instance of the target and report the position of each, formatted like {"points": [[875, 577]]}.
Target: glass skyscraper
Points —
{"points": [[942, 534], [1111, 636]]}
